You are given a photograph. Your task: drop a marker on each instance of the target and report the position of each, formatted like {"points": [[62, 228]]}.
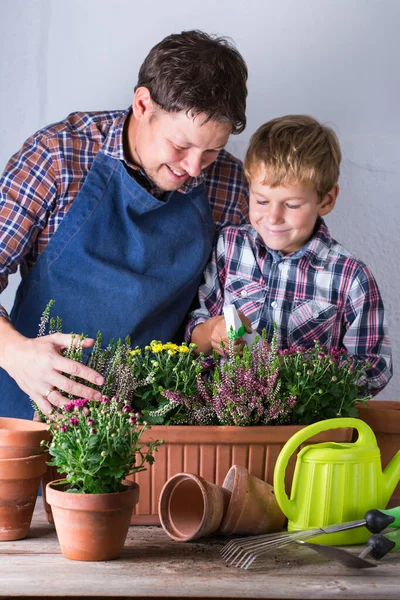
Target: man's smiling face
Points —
{"points": [[172, 147]]}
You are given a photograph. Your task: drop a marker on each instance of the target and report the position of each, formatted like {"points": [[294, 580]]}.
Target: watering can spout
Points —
{"points": [[391, 477]]}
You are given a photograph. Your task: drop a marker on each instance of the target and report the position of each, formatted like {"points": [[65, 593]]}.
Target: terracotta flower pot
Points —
{"points": [[21, 437], [209, 452], [19, 485], [191, 507], [252, 507], [92, 527], [383, 416]]}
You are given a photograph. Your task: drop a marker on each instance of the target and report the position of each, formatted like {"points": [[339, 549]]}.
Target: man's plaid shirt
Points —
{"points": [[320, 292], [42, 180]]}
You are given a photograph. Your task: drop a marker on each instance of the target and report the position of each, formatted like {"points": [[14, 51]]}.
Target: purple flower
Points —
{"points": [[78, 403], [127, 409], [63, 428], [74, 421], [90, 421]]}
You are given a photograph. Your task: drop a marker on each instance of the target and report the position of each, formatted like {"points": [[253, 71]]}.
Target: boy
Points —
{"points": [[285, 267]]}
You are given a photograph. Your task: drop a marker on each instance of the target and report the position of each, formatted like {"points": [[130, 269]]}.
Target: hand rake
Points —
{"points": [[243, 552]]}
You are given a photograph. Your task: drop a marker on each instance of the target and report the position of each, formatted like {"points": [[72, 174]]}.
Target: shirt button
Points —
{"points": [[274, 304], [243, 293]]}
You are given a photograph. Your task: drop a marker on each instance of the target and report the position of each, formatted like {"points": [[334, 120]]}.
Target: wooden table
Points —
{"points": [[153, 566]]}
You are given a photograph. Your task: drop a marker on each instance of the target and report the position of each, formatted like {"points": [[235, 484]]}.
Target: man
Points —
{"points": [[113, 215]]}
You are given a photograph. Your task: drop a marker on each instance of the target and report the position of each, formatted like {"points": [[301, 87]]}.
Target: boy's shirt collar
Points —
{"points": [[315, 252]]}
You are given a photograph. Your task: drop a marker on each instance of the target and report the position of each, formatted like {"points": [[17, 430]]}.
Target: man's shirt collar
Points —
{"points": [[114, 147]]}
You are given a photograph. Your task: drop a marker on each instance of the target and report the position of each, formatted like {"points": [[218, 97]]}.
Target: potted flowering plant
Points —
{"points": [[96, 445], [264, 386], [238, 412], [243, 410]]}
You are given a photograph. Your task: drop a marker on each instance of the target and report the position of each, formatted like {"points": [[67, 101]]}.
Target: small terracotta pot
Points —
{"points": [[191, 507], [92, 526], [252, 508], [21, 437], [383, 416], [19, 486]]}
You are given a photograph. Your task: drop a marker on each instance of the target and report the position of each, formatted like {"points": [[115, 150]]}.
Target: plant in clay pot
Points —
{"points": [[96, 445], [210, 415], [264, 386], [243, 409]]}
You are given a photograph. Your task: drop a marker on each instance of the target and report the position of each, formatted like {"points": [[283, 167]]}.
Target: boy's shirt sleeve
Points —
{"points": [[211, 292], [366, 337]]}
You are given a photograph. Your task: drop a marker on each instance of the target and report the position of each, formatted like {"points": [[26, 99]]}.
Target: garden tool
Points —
{"points": [[334, 482], [339, 555], [378, 545], [235, 327], [243, 552]]}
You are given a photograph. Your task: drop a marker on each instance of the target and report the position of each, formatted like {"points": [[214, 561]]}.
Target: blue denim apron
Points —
{"points": [[120, 261]]}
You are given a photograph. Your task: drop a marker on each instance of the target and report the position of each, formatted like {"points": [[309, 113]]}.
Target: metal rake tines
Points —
{"points": [[243, 552]]}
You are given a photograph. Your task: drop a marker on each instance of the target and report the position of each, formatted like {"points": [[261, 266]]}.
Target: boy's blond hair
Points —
{"points": [[295, 149]]}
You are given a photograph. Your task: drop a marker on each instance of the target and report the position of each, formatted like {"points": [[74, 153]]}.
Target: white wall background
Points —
{"points": [[337, 60]]}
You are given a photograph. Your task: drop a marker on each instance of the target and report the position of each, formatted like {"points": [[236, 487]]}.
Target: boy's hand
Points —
{"points": [[209, 335]]}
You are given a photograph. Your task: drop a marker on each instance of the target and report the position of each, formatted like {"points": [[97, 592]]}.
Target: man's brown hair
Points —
{"points": [[295, 149], [197, 73]]}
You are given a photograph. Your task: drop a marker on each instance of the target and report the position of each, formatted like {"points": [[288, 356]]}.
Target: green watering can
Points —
{"points": [[334, 482]]}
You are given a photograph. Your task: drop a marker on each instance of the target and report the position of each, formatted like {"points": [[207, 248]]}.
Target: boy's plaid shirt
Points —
{"points": [[320, 292], [42, 180]]}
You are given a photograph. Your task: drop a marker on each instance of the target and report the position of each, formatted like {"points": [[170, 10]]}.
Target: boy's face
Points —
{"points": [[171, 147], [285, 216]]}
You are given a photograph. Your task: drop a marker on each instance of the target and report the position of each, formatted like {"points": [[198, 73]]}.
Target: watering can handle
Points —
{"points": [[365, 436]]}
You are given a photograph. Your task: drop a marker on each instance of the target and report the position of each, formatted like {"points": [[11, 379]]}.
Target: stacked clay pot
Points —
{"points": [[22, 464]]}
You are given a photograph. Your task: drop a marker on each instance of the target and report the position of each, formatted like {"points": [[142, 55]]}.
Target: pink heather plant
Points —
{"points": [[244, 390]]}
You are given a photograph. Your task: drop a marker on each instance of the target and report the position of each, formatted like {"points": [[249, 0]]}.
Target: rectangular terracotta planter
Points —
{"points": [[383, 416], [210, 452]]}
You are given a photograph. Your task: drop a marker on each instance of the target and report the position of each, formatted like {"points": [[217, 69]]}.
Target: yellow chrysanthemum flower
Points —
{"points": [[183, 349], [171, 352], [170, 346], [157, 348], [135, 351]]}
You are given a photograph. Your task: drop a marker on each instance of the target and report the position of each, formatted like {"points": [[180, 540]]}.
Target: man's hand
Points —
{"points": [[209, 335], [37, 366]]}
